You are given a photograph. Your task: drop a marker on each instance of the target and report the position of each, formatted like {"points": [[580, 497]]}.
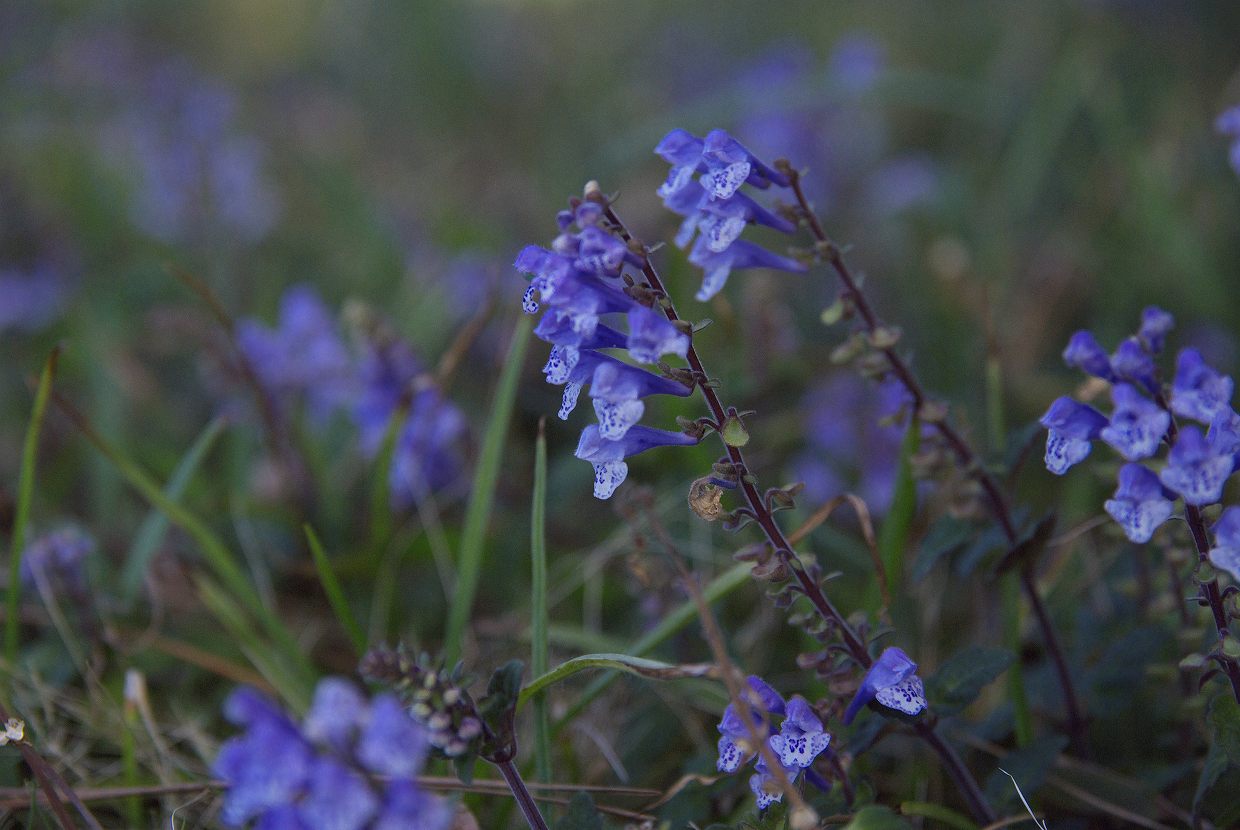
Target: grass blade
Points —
{"points": [[640, 666], [893, 536], [482, 498], [155, 526], [335, 594], [679, 618], [539, 620], [217, 555], [25, 493]]}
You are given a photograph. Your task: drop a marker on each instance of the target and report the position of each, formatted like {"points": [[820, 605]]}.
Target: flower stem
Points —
{"points": [[525, 801], [783, 549], [1208, 592], [965, 456]]}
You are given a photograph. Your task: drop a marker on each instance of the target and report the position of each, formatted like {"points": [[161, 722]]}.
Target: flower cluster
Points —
{"points": [[703, 186], [582, 279], [892, 680], [1228, 124], [1197, 464], [326, 771], [304, 358], [799, 739]]}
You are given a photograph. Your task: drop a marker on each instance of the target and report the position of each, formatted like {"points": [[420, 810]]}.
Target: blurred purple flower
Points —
{"points": [[303, 357], [323, 773], [31, 299], [1228, 124], [851, 444], [58, 559]]}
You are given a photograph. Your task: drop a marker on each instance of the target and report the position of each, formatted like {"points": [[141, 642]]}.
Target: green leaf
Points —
{"points": [[25, 494], [875, 817], [539, 619], [945, 536], [1224, 721], [335, 594], [155, 525], [681, 616], [1216, 790], [482, 497], [581, 815], [734, 432], [961, 679], [650, 669], [893, 536], [944, 815]]}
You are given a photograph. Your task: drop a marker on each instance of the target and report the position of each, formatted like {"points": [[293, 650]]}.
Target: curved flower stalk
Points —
{"points": [[1197, 464], [322, 772], [581, 280]]}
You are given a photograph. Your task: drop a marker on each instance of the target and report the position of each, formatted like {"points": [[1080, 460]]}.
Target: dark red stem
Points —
{"points": [[964, 454]]}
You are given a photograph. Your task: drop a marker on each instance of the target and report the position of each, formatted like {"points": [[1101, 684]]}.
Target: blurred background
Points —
{"points": [[1002, 174]]}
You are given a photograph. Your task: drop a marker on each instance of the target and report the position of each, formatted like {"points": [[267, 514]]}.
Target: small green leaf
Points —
{"points": [[581, 815], [876, 818], [961, 679], [734, 433], [945, 536], [1224, 720]]}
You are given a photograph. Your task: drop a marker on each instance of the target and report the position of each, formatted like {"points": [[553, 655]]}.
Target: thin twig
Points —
{"points": [[965, 455]]}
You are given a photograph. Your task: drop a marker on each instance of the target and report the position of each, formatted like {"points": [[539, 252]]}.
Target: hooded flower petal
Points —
{"points": [[651, 336], [1071, 426], [1156, 324], [1198, 392], [801, 738], [889, 672], [1084, 353], [1195, 470], [608, 456], [718, 265], [1140, 504], [1131, 362], [1226, 551], [1137, 424]]}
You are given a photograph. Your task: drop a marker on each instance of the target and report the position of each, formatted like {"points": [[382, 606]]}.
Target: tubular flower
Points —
{"points": [[893, 682], [1137, 424], [1140, 504], [1071, 426], [1198, 392], [584, 278], [1194, 469], [715, 210], [1226, 551]]}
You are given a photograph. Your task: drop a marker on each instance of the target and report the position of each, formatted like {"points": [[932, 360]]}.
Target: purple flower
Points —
{"points": [[1195, 470], [1198, 392], [893, 682], [857, 62], [1140, 504], [608, 456], [1071, 426], [31, 299], [1226, 551], [322, 774], [1083, 352], [718, 265], [720, 220], [736, 743], [1137, 424], [303, 357], [652, 335], [59, 558], [1224, 435], [615, 386], [1155, 325], [1131, 362], [723, 161], [1228, 124], [427, 453], [801, 737]]}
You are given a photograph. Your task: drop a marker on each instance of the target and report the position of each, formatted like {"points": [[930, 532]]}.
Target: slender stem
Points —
{"points": [[1208, 592], [965, 782], [525, 801], [775, 537], [967, 459]]}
